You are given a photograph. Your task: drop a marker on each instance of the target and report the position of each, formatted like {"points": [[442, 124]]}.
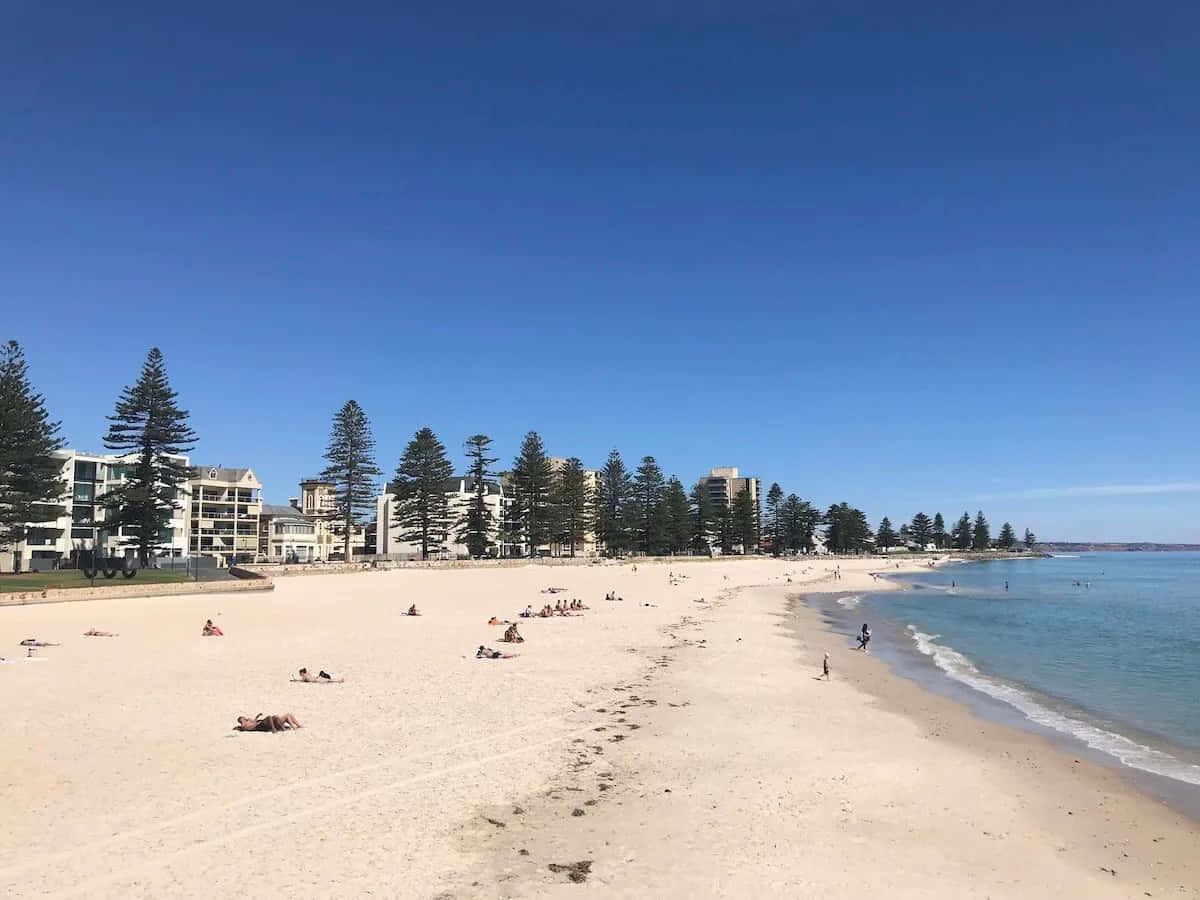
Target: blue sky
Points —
{"points": [[930, 256]]}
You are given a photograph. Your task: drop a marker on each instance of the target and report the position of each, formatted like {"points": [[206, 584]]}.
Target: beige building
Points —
{"points": [[287, 535], [590, 545], [225, 510], [723, 485], [317, 500]]}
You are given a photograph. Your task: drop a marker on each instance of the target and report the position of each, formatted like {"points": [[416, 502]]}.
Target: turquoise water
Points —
{"points": [[1113, 662]]}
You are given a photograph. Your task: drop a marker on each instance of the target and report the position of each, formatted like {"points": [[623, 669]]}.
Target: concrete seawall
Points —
{"points": [[67, 595]]}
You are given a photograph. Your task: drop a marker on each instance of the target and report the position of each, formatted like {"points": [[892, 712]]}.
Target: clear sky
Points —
{"points": [[912, 256]]}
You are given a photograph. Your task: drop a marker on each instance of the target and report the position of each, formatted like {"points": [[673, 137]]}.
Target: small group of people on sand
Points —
{"points": [[612, 597], [558, 609]]}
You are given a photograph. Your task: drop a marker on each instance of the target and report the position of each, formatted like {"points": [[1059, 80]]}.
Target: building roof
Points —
{"points": [[451, 485], [219, 473], [273, 510]]}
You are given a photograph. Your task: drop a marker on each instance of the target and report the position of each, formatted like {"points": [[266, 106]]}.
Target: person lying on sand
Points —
{"points": [[512, 636], [412, 611], [488, 653], [267, 723], [321, 677], [494, 621], [553, 590], [34, 642], [211, 630], [92, 632]]}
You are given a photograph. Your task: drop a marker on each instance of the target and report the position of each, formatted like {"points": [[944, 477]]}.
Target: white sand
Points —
{"points": [[122, 776]]}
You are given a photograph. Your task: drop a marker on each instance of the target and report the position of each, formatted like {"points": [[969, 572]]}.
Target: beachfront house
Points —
{"points": [[287, 535]]}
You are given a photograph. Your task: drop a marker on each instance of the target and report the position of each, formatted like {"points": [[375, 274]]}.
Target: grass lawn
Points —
{"points": [[73, 578]]}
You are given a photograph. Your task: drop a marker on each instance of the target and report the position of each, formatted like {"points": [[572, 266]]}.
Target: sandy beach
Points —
{"points": [[683, 747]]}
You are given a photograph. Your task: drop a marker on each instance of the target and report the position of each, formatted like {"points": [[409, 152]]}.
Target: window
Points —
{"points": [[85, 471], [84, 492], [81, 515]]}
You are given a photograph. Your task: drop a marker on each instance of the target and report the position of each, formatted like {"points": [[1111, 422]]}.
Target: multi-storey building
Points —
{"points": [[75, 525], [459, 492], [723, 486], [225, 509], [590, 544], [317, 500]]}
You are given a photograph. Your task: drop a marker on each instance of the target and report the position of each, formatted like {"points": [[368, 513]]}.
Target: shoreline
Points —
{"points": [[1070, 724], [1180, 796], [960, 797]]}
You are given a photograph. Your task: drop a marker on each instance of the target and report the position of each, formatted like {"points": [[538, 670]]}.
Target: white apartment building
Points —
{"points": [[225, 508], [459, 490], [57, 542]]}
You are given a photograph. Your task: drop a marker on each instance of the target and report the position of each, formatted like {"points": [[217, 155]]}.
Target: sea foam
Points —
{"points": [[1131, 753], [849, 602]]}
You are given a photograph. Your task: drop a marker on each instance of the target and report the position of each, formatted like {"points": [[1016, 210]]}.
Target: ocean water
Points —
{"points": [[1112, 662]]}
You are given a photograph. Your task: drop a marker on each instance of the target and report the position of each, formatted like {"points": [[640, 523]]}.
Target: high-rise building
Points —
{"points": [[57, 540], [723, 485]]}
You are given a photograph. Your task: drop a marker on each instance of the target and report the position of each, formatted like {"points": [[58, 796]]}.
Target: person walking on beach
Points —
{"points": [[825, 668], [864, 638]]}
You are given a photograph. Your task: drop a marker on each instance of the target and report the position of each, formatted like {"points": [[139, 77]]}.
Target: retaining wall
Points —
{"points": [[66, 595]]}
